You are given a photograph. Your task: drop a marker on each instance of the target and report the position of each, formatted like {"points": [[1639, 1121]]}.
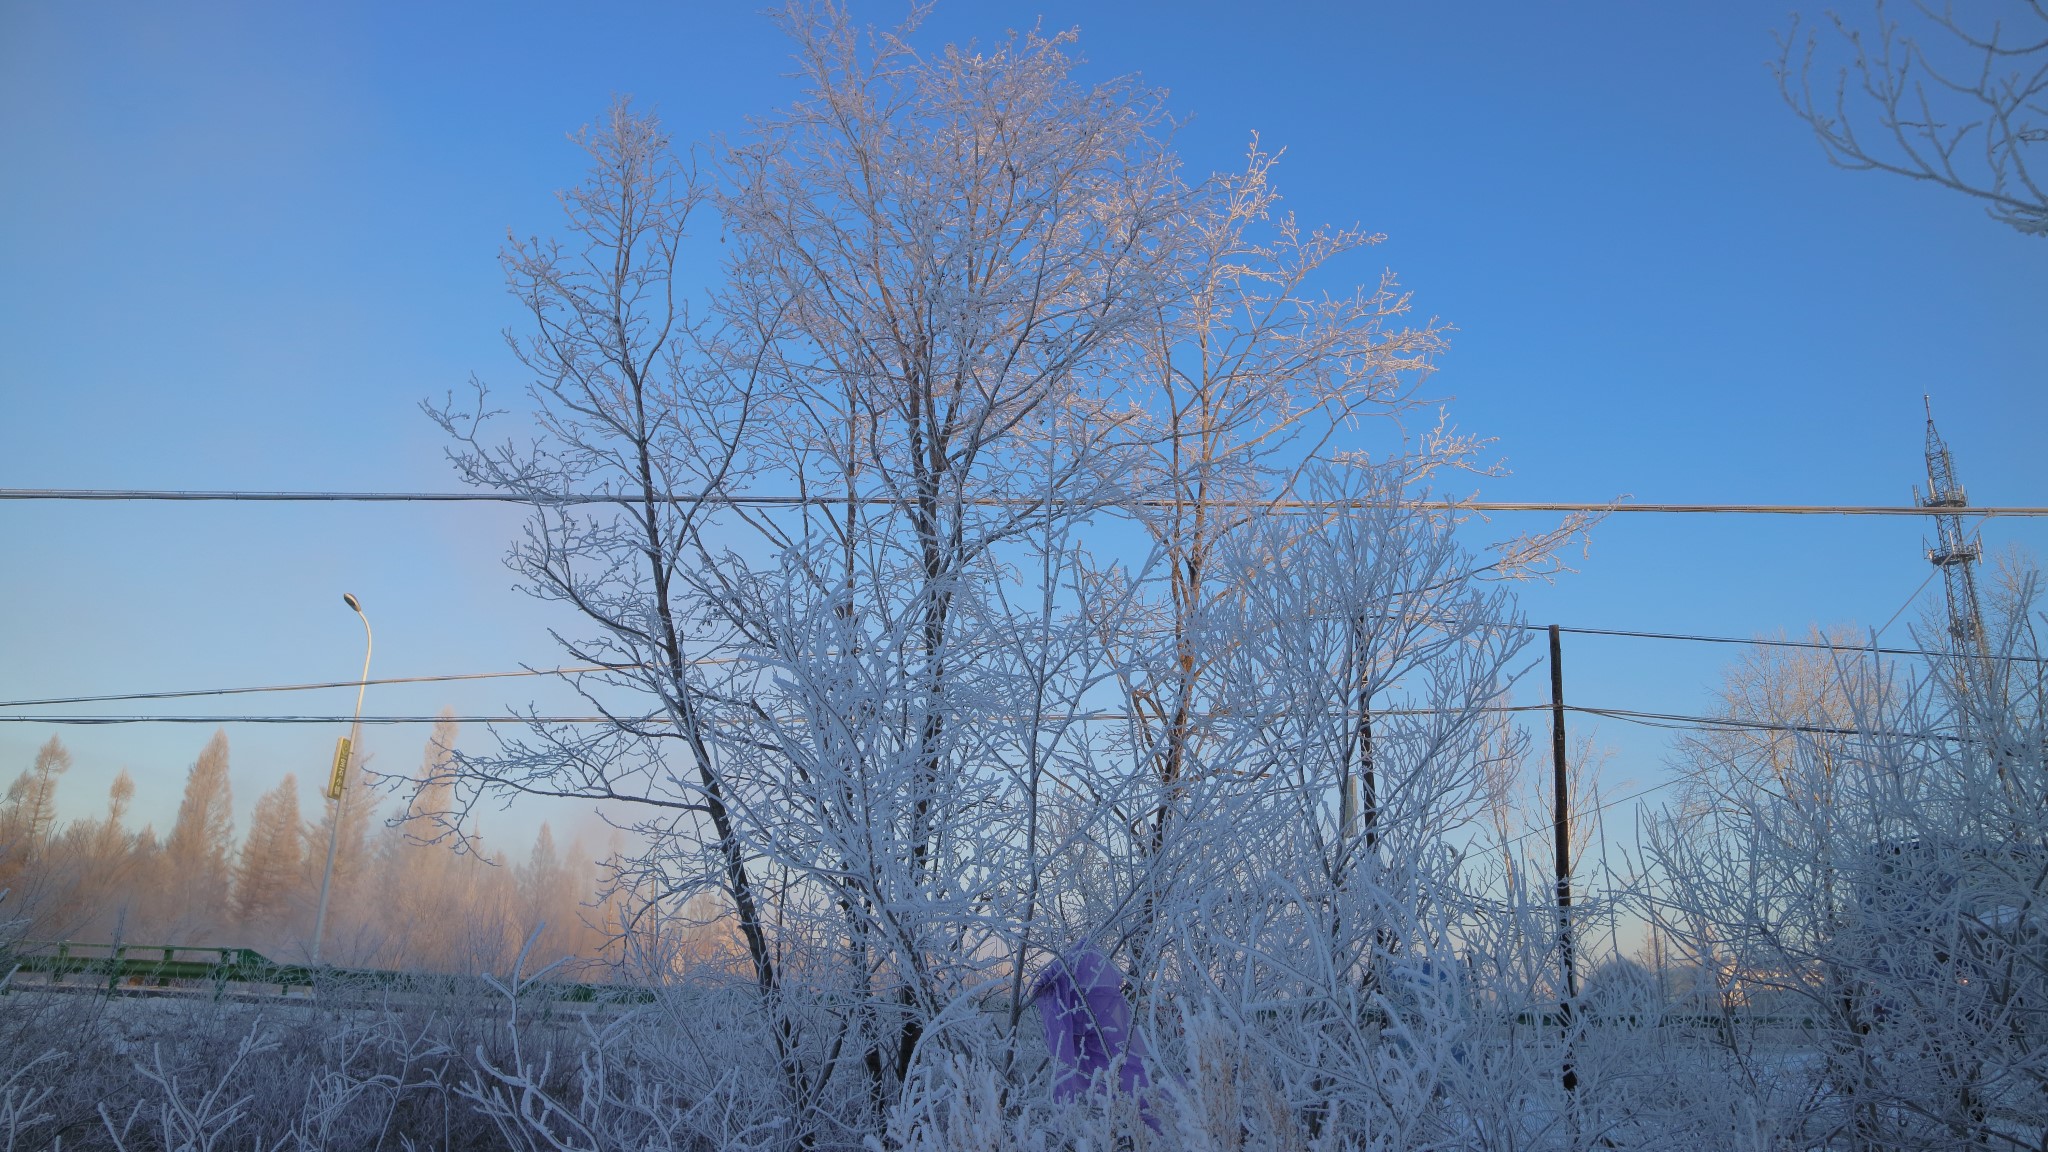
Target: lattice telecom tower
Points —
{"points": [[1954, 553]]}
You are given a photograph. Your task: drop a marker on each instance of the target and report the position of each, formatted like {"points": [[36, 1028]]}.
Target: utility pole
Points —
{"points": [[1561, 833], [337, 785]]}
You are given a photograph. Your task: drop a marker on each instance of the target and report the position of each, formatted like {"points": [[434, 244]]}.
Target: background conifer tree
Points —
{"points": [[197, 878], [268, 874]]}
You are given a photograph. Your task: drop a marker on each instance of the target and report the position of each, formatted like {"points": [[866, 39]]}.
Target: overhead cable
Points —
{"points": [[518, 718], [189, 693], [586, 669], [1627, 715], [1761, 642], [446, 677], [562, 499]]}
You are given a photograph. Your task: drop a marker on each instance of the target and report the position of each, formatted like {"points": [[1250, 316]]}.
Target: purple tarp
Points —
{"points": [[1088, 1024]]}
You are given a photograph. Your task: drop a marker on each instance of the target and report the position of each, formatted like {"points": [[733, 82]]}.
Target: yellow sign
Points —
{"points": [[340, 773]]}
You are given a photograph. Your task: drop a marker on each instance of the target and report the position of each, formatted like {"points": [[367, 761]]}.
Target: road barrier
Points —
{"points": [[152, 967]]}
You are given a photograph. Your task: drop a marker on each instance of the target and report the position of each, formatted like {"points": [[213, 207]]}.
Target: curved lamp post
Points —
{"points": [[338, 786]]}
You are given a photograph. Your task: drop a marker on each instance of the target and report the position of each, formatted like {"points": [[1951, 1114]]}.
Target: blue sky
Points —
{"points": [[241, 242]]}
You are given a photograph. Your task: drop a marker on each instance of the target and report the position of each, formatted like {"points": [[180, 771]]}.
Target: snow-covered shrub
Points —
{"points": [[1875, 882]]}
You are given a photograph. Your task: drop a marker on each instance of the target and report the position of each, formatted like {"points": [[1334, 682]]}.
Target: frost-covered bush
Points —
{"points": [[1876, 881]]}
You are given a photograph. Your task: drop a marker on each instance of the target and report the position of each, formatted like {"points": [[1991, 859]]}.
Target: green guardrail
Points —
{"points": [[166, 965], [156, 965], [160, 965]]}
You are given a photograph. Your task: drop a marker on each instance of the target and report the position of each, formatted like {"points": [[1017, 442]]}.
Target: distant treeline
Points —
{"points": [[404, 895]]}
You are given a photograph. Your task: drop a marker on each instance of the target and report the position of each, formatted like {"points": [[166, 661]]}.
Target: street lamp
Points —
{"points": [[337, 780]]}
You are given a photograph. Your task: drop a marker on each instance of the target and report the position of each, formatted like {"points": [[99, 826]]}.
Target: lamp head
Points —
{"points": [[349, 598]]}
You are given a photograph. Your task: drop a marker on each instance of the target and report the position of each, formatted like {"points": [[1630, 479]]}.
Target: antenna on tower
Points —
{"points": [[1954, 553]]}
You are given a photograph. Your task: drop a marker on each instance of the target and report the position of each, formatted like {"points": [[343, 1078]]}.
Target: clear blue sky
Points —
{"points": [[240, 242]]}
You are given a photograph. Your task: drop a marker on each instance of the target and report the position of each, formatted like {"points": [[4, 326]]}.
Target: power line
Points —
{"points": [[505, 718], [1739, 724], [190, 693], [1673, 720], [1627, 715], [564, 499], [1818, 645], [582, 669], [517, 718]]}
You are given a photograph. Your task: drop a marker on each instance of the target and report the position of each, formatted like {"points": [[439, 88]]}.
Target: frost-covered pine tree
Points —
{"points": [[28, 815], [270, 870], [197, 878]]}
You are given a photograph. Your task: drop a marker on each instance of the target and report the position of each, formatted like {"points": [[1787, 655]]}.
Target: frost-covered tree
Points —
{"points": [[626, 415], [203, 834], [426, 888], [1884, 882], [955, 245], [30, 810], [928, 255], [1956, 96], [110, 838], [443, 899], [38, 876], [1791, 688], [197, 877], [110, 890], [1006, 554], [270, 870], [550, 892], [1245, 370]]}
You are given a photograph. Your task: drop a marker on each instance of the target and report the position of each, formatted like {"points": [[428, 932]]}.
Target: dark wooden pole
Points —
{"points": [[1561, 832]]}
